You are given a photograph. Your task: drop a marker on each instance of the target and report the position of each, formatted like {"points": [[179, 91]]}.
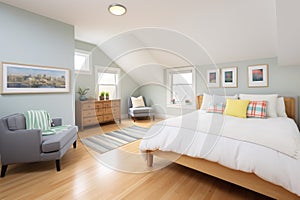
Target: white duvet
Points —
{"points": [[267, 147]]}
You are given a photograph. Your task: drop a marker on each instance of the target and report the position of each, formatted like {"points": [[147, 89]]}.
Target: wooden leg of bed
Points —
{"points": [[149, 159]]}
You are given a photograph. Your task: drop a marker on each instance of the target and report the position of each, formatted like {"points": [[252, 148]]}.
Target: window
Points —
{"points": [[181, 86], [81, 61], [107, 81]]}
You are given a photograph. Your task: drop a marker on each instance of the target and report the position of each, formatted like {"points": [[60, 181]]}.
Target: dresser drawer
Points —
{"points": [[88, 113], [100, 111], [108, 111], [98, 105], [107, 104], [115, 109], [108, 117], [100, 119], [88, 106], [117, 115], [115, 104], [90, 121]]}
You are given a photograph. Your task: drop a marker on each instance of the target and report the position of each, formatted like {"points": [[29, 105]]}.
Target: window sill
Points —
{"points": [[83, 72], [192, 107]]}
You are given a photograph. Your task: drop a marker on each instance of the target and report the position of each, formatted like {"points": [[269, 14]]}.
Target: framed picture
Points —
{"points": [[213, 78], [258, 75], [24, 79], [229, 77]]}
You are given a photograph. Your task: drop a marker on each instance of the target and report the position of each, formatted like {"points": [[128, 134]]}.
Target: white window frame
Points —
{"points": [[169, 84], [113, 70], [87, 63]]}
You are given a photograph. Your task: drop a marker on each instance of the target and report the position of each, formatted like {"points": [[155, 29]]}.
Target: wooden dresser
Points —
{"points": [[92, 112]]}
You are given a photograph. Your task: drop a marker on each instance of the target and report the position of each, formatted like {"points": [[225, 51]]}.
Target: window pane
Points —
{"points": [[112, 90], [181, 93], [106, 78], [81, 61], [183, 78]]}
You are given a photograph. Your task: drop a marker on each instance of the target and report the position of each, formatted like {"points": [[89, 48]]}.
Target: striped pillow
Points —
{"points": [[257, 109], [38, 119], [216, 108]]}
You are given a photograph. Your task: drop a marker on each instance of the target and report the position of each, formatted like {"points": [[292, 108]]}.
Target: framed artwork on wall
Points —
{"points": [[26, 79], [258, 75], [213, 77], [229, 77]]}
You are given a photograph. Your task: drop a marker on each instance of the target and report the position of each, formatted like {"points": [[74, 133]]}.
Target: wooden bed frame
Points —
{"points": [[243, 179]]}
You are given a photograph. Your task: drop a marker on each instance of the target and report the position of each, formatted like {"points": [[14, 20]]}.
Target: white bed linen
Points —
{"points": [[182, 135]]}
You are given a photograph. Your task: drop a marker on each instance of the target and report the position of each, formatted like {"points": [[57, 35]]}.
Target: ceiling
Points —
{"points": [[173, 32]]}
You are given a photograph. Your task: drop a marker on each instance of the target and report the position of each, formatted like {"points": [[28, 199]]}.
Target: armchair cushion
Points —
{"points": [[56, 142], [16, 122], [140, 110]]}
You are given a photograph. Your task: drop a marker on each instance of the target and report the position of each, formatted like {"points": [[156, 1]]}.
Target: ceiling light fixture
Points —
{"points": [[117, 9]]}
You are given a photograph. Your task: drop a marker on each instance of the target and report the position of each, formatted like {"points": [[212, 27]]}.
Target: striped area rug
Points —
{"points": [[108, 141]]}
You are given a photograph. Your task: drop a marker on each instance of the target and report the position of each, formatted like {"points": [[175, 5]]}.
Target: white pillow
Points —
{"points": [[137, 102], [206, 100], [281, 107], [217, 99], [270, 98]]}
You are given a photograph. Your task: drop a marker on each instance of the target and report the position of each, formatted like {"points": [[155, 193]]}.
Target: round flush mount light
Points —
{"points": [[117, 9]]}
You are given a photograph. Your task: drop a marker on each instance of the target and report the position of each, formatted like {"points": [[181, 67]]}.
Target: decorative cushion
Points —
{"points": [[236, 108], [270, 98], [281, 107], [38, 119], [137, 102], [16, 122], [216, 108], [207, 98], [257, 109]]}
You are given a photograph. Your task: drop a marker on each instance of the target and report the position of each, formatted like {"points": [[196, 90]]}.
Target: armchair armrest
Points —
{"points": [[57, 121], [21, 146]]}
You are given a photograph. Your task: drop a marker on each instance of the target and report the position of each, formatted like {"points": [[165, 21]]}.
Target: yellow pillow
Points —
{"points": [[236, 108]]}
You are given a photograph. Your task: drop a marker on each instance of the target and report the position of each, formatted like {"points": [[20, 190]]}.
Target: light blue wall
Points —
{"points": [[284, 81], [29, 38], [98, 58]]}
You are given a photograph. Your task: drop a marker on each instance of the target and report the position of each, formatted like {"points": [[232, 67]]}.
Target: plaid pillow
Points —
{"points": [[216, 108], [257, 109]]}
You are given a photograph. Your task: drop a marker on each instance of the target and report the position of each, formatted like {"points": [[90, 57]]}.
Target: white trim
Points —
{"points": [[115, 70], [181, 106], [168, 83], [84, 53]]}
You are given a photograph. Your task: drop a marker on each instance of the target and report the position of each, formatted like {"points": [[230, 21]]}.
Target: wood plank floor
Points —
{"points": [[84, 177]]}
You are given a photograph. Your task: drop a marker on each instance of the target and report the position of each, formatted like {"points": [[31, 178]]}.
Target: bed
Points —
{"points": [[248, 180]]}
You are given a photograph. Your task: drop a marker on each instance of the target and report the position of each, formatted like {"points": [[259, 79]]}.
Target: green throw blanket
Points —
{"points": [[55, 129], [40, 119]]}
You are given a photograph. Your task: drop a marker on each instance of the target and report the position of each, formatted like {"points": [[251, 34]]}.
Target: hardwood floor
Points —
{"points": [[83, 177]]}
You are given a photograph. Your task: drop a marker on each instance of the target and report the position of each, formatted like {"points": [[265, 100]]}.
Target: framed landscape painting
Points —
{"points": [[229, 77], [258, 75], [22, 79], [213, 78]]}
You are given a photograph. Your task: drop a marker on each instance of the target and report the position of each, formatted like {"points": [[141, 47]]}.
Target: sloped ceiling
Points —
{"points": [[172, 33]]}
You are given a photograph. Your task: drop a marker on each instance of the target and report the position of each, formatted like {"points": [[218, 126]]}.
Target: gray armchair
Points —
{"points": [[19, 145], [146, 111]]}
